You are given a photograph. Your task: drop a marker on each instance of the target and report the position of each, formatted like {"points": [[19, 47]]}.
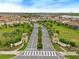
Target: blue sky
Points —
{"points": [[39, 5]]}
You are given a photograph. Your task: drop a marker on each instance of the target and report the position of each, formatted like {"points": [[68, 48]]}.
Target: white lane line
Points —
{"points": [[29, 53], [46, 53], [43, 53], [39, 53], [36, 53], [24, 53], [33, 53], [54, 53], [49, 53]]}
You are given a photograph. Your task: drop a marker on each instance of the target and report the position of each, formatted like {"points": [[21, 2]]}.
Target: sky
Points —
{"points": [[39, 6]]}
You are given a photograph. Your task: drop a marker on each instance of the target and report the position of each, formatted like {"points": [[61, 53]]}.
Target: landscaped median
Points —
{"points": [[39, 45]]}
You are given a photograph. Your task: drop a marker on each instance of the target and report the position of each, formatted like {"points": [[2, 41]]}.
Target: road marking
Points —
{"points": [[25, 53], [46, 54], [43, 53], [54, 53], [39, 53]]}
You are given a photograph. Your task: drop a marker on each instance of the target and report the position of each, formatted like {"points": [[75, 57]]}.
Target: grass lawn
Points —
{"points": [[12, 34], [66, 33], [57, 47], [6, 56], [71, 57], [24, 46]]}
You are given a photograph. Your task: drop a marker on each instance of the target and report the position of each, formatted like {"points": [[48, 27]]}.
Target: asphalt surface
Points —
{"points": [[32, 45], [47, 45], [37, 57], [31, 50]]}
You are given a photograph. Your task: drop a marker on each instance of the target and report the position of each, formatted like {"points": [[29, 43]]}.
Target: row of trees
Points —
{"points": [[64, 25], [12, 25], [61, 24]]}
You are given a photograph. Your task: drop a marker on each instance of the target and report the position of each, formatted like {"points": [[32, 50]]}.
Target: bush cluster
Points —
{"points": [[68, 42]]}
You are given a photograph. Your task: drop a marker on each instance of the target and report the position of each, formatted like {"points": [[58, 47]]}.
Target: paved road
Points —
{"points": [[47, 45], [32, 45], [37, 57], [39, 53], [32, 53]]}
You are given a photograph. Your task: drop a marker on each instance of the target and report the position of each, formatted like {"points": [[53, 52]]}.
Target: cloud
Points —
{"points": [[11, 1], [63, 0], [5, 7], [37, 6], [11, 6]]}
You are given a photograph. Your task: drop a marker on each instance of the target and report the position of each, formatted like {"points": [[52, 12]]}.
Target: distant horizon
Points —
{"points": [[39, 12]]}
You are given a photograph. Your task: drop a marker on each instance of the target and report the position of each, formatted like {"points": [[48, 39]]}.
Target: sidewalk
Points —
{"points": [[10, 52], [69, 53]]}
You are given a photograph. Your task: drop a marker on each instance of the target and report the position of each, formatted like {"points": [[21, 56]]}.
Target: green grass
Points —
{"points": [[9, 49], [12, 34], [39, 45], [71, 57], [57, 47], [4, 56], [26, 43], [24, 46], [66, 33]]}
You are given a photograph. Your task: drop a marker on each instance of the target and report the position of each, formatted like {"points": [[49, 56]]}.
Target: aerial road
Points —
{"points": [[31, 52]]}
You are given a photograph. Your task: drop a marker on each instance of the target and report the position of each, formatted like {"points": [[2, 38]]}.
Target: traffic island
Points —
{"points": [[39, 45]]}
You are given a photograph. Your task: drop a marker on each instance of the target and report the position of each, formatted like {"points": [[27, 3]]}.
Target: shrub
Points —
{"points": [[68, 42], [39, 46], [72, 44], [57, 31]]}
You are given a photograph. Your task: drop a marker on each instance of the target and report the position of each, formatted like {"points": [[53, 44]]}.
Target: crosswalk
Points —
{"points": [[39, 53]]}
